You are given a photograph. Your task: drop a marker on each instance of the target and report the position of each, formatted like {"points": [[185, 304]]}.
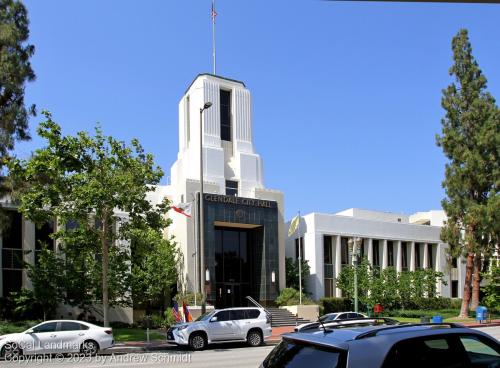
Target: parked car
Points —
{"points": [[252, 325], [329, 317], [62, 336], [345, 323], [406, 345]]}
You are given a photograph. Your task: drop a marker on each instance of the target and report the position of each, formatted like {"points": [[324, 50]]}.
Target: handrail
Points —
{"points": [[255, 302], [258, 305]]}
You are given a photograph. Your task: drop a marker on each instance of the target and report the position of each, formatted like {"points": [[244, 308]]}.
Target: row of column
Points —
{"points": [[397, 246]]}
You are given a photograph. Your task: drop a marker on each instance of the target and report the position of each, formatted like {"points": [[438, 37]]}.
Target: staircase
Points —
{"points": [[283, 317]]}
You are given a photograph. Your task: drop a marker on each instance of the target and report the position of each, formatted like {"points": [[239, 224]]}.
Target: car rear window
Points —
{"points": [[71, 326], [253, 313], [292, 354]]}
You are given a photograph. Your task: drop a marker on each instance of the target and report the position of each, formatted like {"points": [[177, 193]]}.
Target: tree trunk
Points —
{"points": [[464, 311], [105, 264], [476, 281]]}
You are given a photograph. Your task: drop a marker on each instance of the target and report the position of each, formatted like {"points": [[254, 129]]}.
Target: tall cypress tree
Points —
{"points": [[470, 140], [15, 72]]}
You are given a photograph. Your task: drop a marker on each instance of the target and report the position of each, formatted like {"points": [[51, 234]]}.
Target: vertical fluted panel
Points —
{"points": [[212, 115]]}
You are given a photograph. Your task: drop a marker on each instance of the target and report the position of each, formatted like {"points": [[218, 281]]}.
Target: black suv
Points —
{"points": [[397, 346]]}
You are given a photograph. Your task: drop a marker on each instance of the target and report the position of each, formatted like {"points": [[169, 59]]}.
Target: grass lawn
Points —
{"points": [[135, 334], [7, 327], [417, 320]]}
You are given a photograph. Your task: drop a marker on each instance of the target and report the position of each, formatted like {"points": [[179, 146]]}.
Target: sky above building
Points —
{"points": [[346, 96]]}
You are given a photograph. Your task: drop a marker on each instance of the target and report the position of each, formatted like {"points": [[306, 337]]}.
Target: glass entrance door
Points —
{"points": [[232, 267]]}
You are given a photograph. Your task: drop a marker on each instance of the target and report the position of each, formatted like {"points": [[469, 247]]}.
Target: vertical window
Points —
{"points": [[225, 115], [454, 288], [404, 258], [188, 118], [301, 241], [328, 266], [376, 253], [390, 253], [454, 262], [12, 253], [43, 239], [430, 260], [344, 251], [327, 251], [417, 256], [231, 188]]}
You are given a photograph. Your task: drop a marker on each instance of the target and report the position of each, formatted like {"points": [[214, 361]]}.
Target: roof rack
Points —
{"points": [[339, 323], [393, 327]]}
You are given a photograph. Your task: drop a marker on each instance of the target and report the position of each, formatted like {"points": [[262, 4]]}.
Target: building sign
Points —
{"points": [[252, 202]]}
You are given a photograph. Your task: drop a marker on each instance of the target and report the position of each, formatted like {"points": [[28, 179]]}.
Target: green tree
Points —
{"points": [[47, 278], [292, 273], [15, 72], [87, 180], [492, 288], [470, 140], [154, 268]]}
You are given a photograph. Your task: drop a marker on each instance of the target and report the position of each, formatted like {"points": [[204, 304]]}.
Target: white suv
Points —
{"points": [[252, 325]]}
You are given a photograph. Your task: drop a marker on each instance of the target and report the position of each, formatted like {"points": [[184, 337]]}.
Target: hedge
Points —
{"points": [[330, 305]]}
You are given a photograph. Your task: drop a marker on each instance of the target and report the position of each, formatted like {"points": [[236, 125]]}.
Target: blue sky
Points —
{"points": [[346, 96]]}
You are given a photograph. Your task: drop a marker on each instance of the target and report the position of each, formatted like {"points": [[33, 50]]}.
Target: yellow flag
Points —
{"points": [[294, 225]]}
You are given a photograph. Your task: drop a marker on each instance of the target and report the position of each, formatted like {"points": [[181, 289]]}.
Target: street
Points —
{"points": [[493, 331], [220, 356]]}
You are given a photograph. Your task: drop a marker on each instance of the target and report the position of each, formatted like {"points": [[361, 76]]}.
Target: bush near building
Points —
{"points": [[290, 296]]}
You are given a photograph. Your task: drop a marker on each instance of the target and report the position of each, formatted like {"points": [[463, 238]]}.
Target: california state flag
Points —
{"points": [[183, 209]]}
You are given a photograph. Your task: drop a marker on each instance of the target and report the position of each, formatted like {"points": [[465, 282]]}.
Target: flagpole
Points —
{"points": [[213, 35], [300, 264], [195, 254]]}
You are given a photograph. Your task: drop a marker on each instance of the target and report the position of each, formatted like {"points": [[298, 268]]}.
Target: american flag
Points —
{"points": [[214, 13], [175, 309]]}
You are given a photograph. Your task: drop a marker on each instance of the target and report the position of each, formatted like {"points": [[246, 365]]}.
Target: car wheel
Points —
{"points": [[89, 348], [197, 341], [254, 338], [11, 350]]}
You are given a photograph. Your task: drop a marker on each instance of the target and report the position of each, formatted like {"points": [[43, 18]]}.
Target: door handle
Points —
{"points": [[53, 336], [81, 334]]}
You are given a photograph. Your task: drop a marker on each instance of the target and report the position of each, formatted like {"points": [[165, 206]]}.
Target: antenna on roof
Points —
{"points": [[213, 14]]}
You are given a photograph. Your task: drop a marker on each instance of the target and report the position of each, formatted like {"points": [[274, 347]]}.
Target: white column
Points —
{"points": [[439, 250], [412, 256], [384, 254], [370, 251], [399, 256], [338, 264], [426, 258], [28, 231]]}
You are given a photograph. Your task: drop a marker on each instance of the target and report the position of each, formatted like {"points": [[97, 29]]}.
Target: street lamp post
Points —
{"points": [[201, 240], [355, 247]]}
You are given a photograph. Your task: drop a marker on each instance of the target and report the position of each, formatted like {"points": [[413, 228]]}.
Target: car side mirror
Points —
{"points": [[30, 331], [213, 319]]}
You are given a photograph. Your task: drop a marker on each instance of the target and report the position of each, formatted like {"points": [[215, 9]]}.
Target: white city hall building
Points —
{"points": [[243, 252], [388, 240]]}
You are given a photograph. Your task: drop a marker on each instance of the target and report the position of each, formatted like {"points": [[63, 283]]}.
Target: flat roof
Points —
{"points": [[215, 76]]}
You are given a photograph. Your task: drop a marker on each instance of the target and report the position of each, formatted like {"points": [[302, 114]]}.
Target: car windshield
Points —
{"points": [[205, 317], [328, 317]]}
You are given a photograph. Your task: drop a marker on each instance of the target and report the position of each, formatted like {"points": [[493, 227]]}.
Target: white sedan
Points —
{"points": [[62, 336]]}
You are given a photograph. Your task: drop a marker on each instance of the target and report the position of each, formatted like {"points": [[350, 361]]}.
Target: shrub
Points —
{"points": [[188, 298], [289, 296], [331, 305], [119, 324]]}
